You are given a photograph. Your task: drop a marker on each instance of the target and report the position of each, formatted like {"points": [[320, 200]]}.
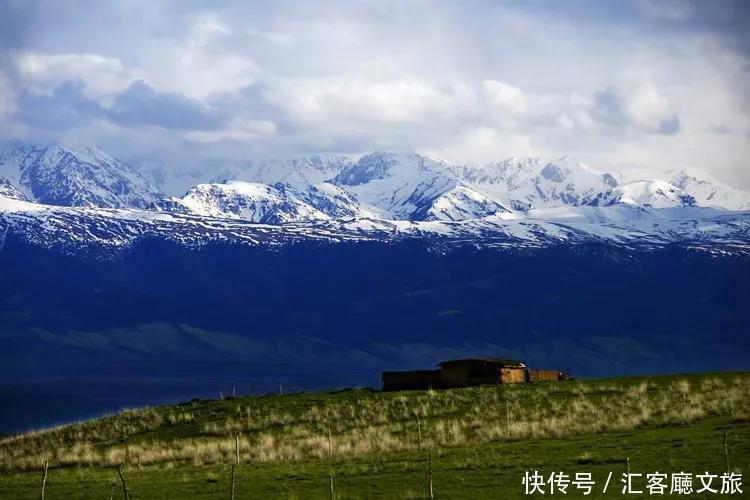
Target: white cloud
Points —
{"points": [[102, 75], [419, 102], [645, 107], [640, 106], [485, 144], [504, 97], [321, 101], [205, 29], [198, 65]]}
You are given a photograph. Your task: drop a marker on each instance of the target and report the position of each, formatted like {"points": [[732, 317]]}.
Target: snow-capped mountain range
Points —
{"points": [[62, 193], [64, 176]]}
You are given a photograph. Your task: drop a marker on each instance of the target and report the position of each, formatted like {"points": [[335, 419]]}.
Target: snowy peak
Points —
{"points": [[463, 203], [377, 166], [646, 194], [536, 182], [709, 192], [413, 187], [62, 175], [12, 158], [332, 200], [378, 185], [248, 201]]}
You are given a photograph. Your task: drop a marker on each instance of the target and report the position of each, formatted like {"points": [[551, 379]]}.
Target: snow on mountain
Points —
{"points": [[461, 203], [709, 192], [304, 178], [248, 201], [387, 186], [645, 193], [61, 175], [92, 231], [263, 203], [536, 182], [79, 199], [11, 158], [412, 187], [8, 191], [331, 200]]}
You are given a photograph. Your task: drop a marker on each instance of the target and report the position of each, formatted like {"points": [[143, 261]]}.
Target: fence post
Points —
{"points": [[429, 473], [726, 451], [330, 457], [122, 480], [235, 464], [44, 478]]}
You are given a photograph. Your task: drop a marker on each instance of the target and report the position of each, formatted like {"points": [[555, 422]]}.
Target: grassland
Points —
{"points": [[478, 442]]}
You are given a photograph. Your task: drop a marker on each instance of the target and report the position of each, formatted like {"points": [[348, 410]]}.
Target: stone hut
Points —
{"points": [[481, 371]]}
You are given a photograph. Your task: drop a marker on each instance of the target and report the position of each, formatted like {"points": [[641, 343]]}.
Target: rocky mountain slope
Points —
{"points": [[708, 192], [537, 182], [645, 193], [61, 175]]}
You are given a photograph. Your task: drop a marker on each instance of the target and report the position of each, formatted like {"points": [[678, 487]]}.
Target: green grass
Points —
{"points": [[482, 440]]}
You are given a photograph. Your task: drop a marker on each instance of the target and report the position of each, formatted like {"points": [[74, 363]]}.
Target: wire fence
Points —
{"points": [[232, 482]]}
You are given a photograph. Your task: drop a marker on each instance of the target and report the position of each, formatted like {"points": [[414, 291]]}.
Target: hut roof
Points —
{"points": [[505, 363]]}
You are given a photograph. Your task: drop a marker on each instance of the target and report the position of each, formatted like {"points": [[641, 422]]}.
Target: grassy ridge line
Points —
{"points": [[349, 424]]}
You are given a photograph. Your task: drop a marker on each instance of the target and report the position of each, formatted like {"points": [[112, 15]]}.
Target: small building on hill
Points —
{"points": [[481, 371], [468, 372]]}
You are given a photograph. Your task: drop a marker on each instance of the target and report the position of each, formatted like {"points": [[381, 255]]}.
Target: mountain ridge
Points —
{"points": [[79, 194], [400, 186]]}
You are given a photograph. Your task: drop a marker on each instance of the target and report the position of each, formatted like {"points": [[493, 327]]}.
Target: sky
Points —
{"points": [[620, 85]]}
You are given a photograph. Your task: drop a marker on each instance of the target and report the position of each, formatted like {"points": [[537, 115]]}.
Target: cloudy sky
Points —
{"points": [[619, 85]]}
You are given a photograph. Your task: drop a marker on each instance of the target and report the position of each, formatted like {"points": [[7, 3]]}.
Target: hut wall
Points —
{"points": [[454, 376], [408, 380], [512, 376], [483, 374], [537, 375]]}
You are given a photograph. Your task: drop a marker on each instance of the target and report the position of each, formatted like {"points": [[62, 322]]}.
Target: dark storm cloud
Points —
{"points": [[140, 104], [65, 108]]}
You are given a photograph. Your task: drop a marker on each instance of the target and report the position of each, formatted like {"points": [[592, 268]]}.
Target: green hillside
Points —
{"points": [[477, 442]]}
